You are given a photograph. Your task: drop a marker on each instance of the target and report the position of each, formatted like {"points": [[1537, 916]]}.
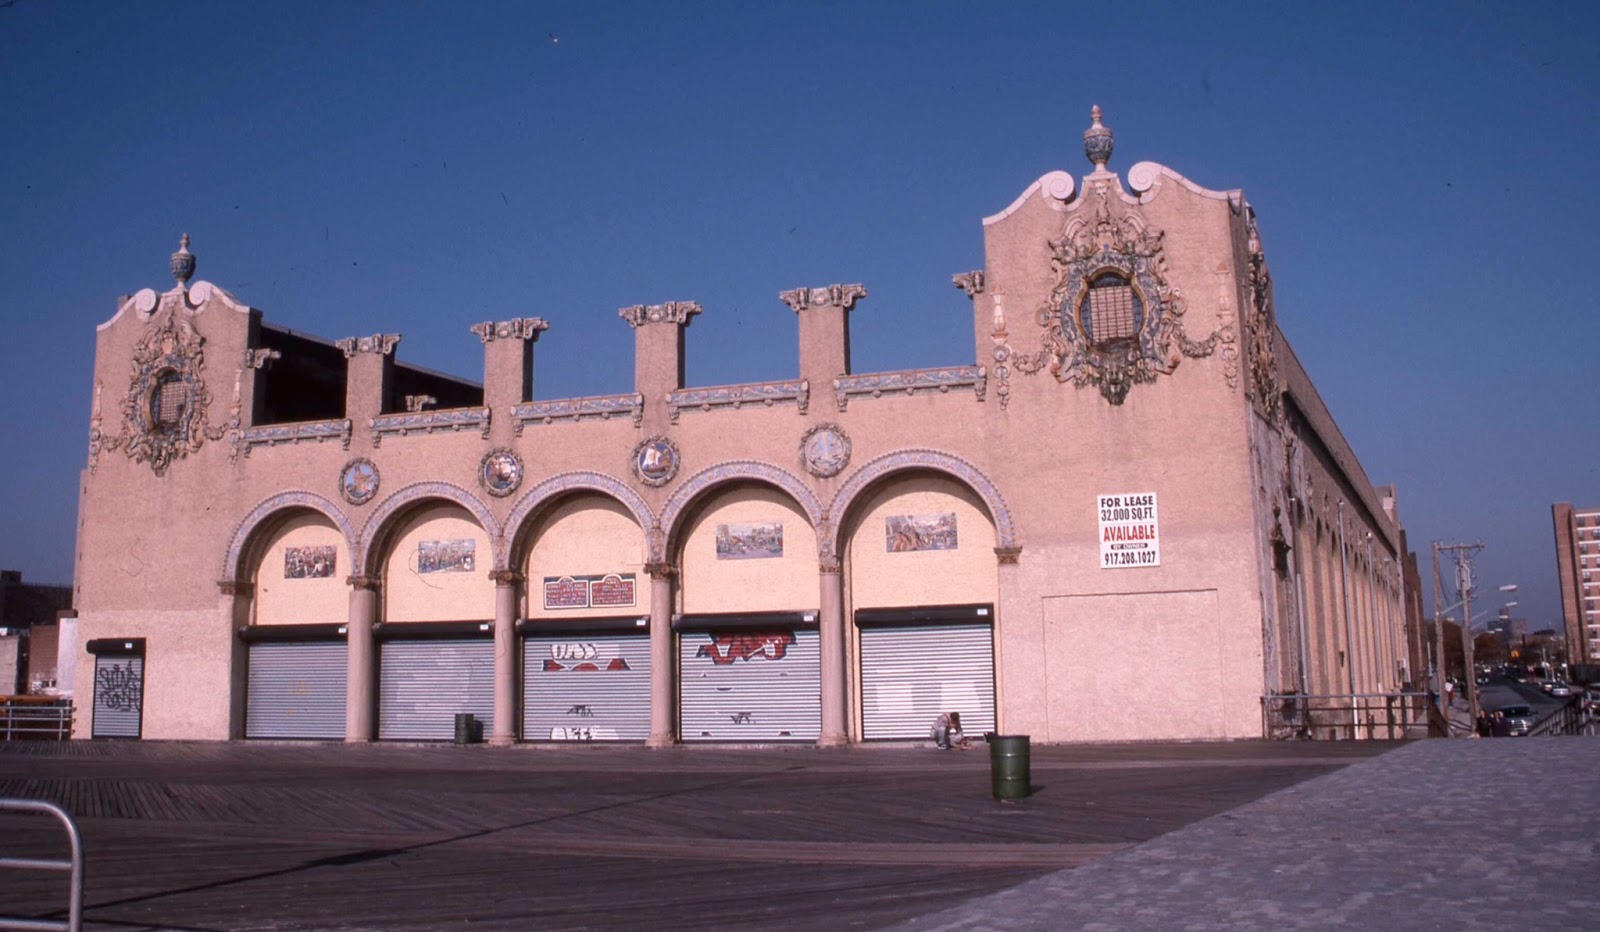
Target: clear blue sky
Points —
{"points": [[1425, 177]]}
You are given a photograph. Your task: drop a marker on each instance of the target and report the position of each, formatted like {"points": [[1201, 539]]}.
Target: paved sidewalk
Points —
{"points": [[1460, 834]]}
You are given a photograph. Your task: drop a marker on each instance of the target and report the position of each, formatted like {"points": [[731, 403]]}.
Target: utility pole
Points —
{"points": [[1441, 671], [1465, 583]]}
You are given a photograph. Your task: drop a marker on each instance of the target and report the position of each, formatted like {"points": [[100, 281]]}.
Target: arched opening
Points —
{"points": [[584, 634], [748, 645], [921, 586], [435, 637], [294, 636]]}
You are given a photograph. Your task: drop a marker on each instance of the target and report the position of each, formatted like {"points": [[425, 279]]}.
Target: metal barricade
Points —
{"points": [[73, 865], [1359, 716], [29, 717]]}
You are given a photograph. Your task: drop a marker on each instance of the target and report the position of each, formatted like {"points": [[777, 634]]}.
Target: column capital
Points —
{"points": [[236, 587], [828, 565], [1007, 556], [660, 570], [381, 344], [370, 583], [672, 312], [506, 577], [840, 296], [519, 328], [970, 282]]}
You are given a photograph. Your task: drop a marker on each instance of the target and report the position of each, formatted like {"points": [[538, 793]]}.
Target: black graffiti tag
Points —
{"points": [[117, 688]]}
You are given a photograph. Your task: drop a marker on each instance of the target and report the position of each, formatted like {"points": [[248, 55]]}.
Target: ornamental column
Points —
{"points": [[504, 731], [369, 380], [662, 732], [824, 329], [360, 695], [834, 682], [658, 337], [507, 369]]}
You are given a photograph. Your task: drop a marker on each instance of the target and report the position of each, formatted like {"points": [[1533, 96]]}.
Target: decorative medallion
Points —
{"points": [[825, 450], [655, 461], [358, 482], [1111, 319], [500, 473]]}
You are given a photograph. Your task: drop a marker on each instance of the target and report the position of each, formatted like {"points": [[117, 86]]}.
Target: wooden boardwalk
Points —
{"points": [[304, 836]]}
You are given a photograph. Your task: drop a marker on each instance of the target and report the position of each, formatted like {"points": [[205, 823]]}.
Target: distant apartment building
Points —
{"points": [[1578, 568]]}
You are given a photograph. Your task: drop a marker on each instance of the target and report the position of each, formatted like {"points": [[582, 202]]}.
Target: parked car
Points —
{"points": [[1559, 688], [1519, 717]]}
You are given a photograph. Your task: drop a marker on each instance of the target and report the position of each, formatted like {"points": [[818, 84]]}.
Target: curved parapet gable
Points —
{"points": [[1055, 188], [734, 471], [556, 486], [1146, 179], [284, 501], [423, 491], [933, 460]]}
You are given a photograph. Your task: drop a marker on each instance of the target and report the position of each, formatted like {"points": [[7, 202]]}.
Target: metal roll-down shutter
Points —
{"points": [[296, 689], [586, 681], [919, 663], [423, 682], [118, 688], [755, 678]]}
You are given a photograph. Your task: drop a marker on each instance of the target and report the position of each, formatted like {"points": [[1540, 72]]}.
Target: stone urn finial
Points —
{"points": [[183, 263], [1097, 141]]}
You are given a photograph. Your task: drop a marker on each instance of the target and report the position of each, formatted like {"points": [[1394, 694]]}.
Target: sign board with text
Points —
{"points": [[1130, 534]]}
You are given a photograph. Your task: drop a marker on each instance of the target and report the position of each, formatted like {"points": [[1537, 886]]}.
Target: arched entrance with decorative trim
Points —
{"points": [[920, 535]]}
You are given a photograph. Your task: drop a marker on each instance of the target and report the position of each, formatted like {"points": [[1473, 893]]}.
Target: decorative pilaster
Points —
{"points": [[381, 344], [824, 329], [503, 731], [843, 297], [658, 336], [661, 682], [521, 328], [835, 683], [970, 282], [360, 692]]}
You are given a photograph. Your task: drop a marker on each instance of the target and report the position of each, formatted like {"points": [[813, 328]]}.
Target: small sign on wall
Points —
{"points": [[611, 590], [1130, 533]]}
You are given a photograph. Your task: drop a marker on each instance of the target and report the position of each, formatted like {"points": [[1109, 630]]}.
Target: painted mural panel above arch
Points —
{"points": [[1005, 537], [298, 573], [773, 565], [893, 556], [264, 515], [435, 566]]}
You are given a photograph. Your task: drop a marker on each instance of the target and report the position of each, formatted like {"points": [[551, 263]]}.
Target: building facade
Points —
{"points": [[30, 621], [1132, 517], [1578, 572]]}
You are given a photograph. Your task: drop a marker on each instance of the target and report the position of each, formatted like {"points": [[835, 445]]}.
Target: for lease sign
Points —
{"points": [[1130, 534]]}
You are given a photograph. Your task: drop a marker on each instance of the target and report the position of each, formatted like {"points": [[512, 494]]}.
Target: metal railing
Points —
{"points": [[1349, 716], [37, 719], [73, 865]]}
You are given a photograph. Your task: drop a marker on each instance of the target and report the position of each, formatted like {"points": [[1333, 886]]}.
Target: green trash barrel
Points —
{"points": [[467, 730], [1009, 766]]}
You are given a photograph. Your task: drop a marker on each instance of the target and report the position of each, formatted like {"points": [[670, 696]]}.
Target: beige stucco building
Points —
{"points": [[1130, 518]]}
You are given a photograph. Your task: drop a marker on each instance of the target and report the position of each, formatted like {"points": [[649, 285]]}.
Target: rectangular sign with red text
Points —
{"points": [[1130, 535]]}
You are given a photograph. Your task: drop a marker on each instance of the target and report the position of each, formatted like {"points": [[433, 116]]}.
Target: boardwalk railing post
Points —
{"points": [[73, 865]]}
